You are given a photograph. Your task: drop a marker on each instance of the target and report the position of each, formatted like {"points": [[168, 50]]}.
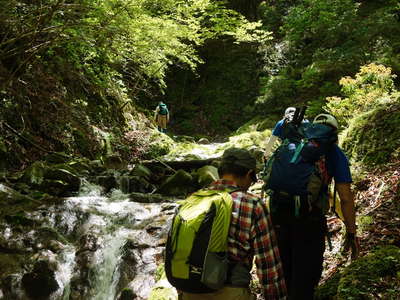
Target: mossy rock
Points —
{"points": [[57, 158], [178, 184], [141, 171], [206, 175], [375, 273], [160, 144], [163, 290], [34, 174], [11, 263], [54, 180], [115, 162], [372, 137]]}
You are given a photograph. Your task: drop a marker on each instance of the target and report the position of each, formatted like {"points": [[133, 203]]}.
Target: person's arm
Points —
{"points": [[349, 215], [268, 262], [347, 206], [276, 133], [268, 147], [156, 113]]}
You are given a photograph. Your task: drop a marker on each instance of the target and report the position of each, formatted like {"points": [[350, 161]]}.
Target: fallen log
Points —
{"points": [[176, 165], [151, 198]]}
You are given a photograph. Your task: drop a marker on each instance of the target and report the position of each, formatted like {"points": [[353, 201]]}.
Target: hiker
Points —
{"points": [[161, 116], [249, 234], [299, 218], [277, 131]]}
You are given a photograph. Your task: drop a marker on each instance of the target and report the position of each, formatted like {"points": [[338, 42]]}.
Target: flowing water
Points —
{"points": [[110, 243]]}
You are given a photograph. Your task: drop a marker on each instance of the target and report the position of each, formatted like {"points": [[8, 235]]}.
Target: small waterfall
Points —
{"points": [[99, 244], [107, 270]]}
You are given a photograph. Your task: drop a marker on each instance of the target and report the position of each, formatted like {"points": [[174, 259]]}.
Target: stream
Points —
{"points": [[110, 243]]}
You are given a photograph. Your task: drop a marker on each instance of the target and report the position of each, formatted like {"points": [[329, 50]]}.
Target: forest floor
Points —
{"points": [[378, 216]]}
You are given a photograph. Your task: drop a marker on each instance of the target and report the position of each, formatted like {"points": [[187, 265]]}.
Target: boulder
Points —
{"points": [[203, 141], [114, 162], [141, 171], [41, 282], [57, 158], [178, 184], [206, 175], [53, 180]]}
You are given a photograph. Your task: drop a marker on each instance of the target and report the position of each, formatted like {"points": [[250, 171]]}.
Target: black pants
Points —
{"points": [[301, 244]]}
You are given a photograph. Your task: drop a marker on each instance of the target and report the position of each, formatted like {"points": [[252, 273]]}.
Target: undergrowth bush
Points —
{"points": [[371, 87]]}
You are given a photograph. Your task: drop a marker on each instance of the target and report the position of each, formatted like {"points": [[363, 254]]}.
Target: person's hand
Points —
{"points": [[352, 243]]}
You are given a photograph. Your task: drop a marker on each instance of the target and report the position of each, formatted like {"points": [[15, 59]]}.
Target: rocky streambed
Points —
{"points": [[80, 229]]}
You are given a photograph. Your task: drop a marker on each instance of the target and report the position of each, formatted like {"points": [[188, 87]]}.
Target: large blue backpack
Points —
{"points": [[296, 172]]}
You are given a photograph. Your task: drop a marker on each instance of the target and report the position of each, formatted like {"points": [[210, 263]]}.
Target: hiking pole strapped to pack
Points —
{"points": [[299, 115]]}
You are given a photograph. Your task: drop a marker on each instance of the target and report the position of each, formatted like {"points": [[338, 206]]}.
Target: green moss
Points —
{"points": [[328, 289], [364, 222], [372, 138], [163, 293], [375, 273], [160, 144], [247, 140], [160, 272], [10, 263]]}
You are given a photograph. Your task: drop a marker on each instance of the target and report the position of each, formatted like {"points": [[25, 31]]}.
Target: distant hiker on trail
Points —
{"points": [[277, 131], [161, 116], [249, 234], [297, 178]]}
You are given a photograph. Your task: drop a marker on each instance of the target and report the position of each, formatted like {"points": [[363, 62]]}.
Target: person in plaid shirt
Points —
{"points": [[251, 235]]}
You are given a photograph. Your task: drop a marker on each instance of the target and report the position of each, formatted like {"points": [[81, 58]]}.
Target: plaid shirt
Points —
{"points": [[251, 235]]}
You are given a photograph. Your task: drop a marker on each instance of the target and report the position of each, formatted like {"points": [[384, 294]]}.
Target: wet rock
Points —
{"points": [[58, 181], [11, 287], [72, 181], [96, 166], [85, 265], [128, 267], [49, 238], [206, 175], [127, 294], [108, 181], [41, 282], [114, 162], [135, 184], [180, 183], [57, 158], [203, 141], [141, 171]]}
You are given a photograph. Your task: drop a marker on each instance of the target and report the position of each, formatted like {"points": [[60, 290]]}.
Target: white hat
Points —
{"points": [[326, 119], [289, 112]]}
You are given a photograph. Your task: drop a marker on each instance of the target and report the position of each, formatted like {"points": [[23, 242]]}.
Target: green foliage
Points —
{"points": [[320, 41], [371, 87], [82, 63]]}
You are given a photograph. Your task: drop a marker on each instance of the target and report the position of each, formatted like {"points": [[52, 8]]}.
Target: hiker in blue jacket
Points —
{"points": [[161, 116], [301, 239], [277, 131]]}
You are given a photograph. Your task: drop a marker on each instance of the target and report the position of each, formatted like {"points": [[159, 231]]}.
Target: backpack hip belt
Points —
{"points": [[282, 197]]}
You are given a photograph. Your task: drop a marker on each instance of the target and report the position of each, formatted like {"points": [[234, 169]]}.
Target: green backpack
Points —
{"points": [[196, 250]]}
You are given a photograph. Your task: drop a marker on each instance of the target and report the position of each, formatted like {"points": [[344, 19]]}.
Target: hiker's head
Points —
{"points": [[327, 119], [238, 164], [289, 113]]}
